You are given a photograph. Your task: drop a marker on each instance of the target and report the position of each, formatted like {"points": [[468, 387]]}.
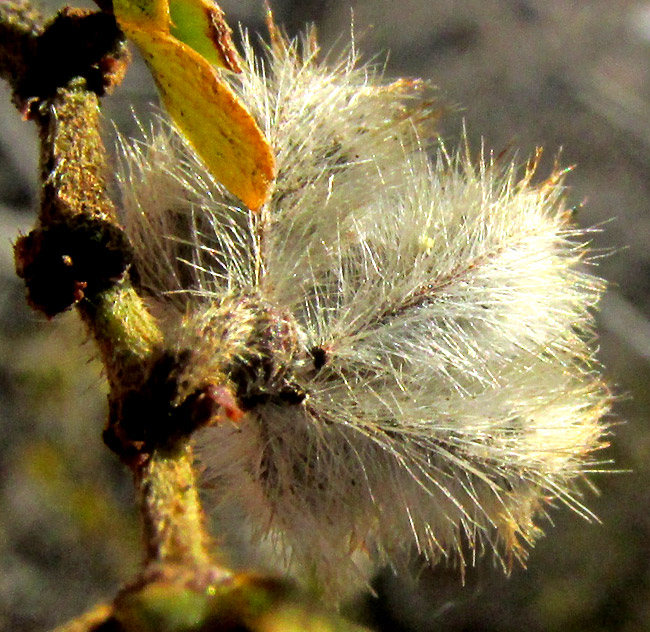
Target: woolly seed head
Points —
{"points": [[406, 332]]}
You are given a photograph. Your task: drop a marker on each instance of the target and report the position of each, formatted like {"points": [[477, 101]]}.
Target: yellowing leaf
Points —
{"points": [[202, 106], [212, 118]]}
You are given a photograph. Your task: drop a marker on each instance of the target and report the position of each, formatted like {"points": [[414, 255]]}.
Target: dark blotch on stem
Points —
{"points": [[66, 262], [75, 44]]}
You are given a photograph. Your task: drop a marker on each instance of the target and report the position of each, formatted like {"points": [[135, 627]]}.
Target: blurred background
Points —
{"points": [[570, 76]]}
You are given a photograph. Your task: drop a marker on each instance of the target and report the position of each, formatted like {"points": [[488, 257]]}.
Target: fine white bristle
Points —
{"points": [[408, 333]]}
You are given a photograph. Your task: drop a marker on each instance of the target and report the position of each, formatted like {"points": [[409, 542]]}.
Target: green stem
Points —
{"points": [[125, 332], [171, 510], [73, 167], [73, 163]]}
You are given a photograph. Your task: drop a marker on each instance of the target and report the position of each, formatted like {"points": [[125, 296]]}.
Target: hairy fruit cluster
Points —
{"points": [[405, 333]]}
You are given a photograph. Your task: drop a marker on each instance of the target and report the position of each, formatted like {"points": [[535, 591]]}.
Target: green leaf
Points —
{"points": [[201, 25]]}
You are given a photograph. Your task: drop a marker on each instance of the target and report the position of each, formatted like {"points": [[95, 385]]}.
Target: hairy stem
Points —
{"points": [[171, 509], [73, 163], [73, 195]]}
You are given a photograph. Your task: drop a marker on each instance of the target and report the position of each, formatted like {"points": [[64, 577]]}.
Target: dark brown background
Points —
{"points": [[521, 73]]}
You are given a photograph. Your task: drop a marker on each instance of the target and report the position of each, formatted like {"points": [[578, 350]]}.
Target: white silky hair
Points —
{"points": [[436, 315]]}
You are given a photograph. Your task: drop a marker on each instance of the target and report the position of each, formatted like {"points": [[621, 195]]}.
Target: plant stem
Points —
{"points": [[73, 167], [73, 163], [171, 509]]}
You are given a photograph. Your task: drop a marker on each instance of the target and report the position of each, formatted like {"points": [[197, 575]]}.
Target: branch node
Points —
{"points": [[63, 263]]}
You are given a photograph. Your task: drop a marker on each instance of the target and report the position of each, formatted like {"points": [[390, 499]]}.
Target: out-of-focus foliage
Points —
{"points": [[522, 73]]}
